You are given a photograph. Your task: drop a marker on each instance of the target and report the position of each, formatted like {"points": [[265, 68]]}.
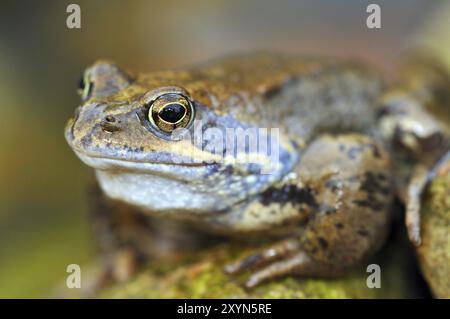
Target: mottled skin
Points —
{"points": [[320, 207]]}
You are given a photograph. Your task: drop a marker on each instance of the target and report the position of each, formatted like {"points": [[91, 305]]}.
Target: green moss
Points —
{"points": [[434, 253], [200, 276]]}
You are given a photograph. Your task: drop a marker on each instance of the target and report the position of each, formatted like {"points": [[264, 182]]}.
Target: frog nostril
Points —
{"points": [[108, 126], [110, 119]]}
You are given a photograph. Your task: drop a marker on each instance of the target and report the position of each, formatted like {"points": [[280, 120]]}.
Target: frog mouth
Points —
{"points": [[176, 171]]}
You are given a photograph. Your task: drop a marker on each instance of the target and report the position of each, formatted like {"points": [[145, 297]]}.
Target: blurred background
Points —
{"points": [[43, 211]]}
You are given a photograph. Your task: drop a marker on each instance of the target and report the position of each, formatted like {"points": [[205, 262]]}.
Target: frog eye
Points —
{"points": [[85, 86], [170, 111], [101, 79]]}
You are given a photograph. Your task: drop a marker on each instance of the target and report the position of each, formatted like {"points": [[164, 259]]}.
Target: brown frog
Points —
{"points": [[301, 155]]}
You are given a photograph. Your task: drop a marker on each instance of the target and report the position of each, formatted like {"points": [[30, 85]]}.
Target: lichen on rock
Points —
{"points": [[434, 252], [201, 275]]}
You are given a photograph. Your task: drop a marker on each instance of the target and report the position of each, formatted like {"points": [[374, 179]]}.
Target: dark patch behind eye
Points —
{"points": [[289, 193]]}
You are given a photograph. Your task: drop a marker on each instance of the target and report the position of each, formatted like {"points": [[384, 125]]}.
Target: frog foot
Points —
{"points": [[421, 177], [278, 260]]}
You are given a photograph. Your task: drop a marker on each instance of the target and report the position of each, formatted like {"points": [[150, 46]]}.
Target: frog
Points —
{"points": [[298, 157]]}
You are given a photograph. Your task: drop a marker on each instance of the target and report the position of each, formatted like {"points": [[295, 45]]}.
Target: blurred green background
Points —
{"points": [[43, 213]]}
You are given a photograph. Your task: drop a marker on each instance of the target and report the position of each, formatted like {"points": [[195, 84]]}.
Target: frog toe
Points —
{"points": [[290, 265], [282, 259], [263, 257], [415, 189]]}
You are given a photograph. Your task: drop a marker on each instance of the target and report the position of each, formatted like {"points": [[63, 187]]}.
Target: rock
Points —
{"points": [[434, 252], [200, 276]]}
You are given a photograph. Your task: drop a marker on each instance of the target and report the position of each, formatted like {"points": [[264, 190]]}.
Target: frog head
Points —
{"points": [[162, 141]]}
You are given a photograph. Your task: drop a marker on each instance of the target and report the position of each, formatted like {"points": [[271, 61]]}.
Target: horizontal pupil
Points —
{"points": [[172, 113]]}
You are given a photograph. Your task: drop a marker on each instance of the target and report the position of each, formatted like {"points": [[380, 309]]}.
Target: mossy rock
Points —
{"points": [[434, 252], [201, 276]]}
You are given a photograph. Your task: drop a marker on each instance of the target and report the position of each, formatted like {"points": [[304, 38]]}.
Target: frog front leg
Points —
{"points": [[335, 206]]}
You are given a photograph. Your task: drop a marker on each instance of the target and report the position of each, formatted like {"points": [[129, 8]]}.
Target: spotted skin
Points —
{"points": [[346, 144]]}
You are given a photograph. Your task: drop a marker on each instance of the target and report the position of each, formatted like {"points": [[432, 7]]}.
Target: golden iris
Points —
{"points": [[170, 111]]}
